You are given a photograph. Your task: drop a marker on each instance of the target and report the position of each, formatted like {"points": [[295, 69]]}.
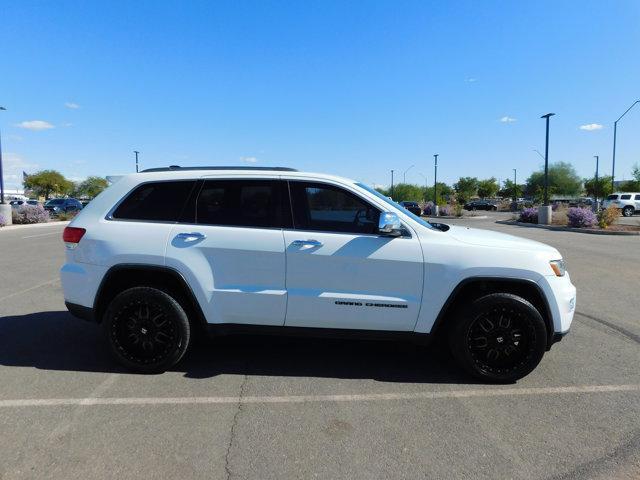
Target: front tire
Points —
{"points": [[147, 329], [498, 338], [627, 211]]}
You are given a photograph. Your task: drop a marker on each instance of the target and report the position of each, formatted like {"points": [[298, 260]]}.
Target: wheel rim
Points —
{"points": [[627, 212], [501, 340], [144, 333]]}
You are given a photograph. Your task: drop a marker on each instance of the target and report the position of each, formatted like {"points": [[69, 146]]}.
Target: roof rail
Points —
{"points": [[172, 168]]}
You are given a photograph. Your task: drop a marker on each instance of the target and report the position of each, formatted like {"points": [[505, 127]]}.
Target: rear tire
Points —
{"points": [[498, 338], [147, 330], [628, 211]]}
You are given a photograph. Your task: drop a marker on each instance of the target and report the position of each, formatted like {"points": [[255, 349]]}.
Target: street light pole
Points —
{"points": [[546, 160], [136, 152], [391, 184], [597, 157], [404, 176], [1, 174], [615, 131], [435, 179], [515, 185]]}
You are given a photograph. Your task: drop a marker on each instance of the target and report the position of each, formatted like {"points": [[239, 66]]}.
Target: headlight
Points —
{"points": [[56, 208], [558, 267]]}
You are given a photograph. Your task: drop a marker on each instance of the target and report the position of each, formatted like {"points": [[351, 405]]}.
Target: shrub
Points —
{"points": [[457, 210], [67, 216], [427, 209], [607, 216], [581, 217], [3, 221], [529, 215], [444, 211], [30, 214], [559, 216]]}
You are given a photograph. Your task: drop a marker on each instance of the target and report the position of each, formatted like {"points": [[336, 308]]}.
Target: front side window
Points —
{"points": [[244, 203], [155, 201], [612, 197], [328, 208]]}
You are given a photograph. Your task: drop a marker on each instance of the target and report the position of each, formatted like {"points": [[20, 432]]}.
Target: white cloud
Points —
{"points": [[35, 125], [591, 126], [508, 119], [471, 80], [72, 105], [13, 166], [249, 159]]}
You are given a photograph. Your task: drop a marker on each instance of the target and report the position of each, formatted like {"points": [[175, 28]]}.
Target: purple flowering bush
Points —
{"points": [[528, 215], [581, 217], [30, 214], [3, 221], [427, 209]]}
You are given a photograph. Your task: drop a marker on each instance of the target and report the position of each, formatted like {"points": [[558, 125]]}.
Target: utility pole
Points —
{"points": [[597, 157], [391, 184], [615, 131], [435, 183], [515, 185], [544, 213], [136, 152]]}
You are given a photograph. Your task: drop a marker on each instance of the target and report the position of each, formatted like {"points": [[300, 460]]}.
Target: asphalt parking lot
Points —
{"points": [[267, 408]]}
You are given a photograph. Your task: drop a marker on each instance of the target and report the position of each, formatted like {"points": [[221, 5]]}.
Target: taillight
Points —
{"points": [[72, 235]]}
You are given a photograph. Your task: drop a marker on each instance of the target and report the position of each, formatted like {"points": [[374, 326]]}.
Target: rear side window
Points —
{"points": [[244, 203], [155, 201], [326, 208], [637, 197], [625, 197]]}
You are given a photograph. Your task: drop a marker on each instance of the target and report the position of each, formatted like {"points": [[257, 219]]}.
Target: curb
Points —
{"points": [[35, 225], [567, 229]]}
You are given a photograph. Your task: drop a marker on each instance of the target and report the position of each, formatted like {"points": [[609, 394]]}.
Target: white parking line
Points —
{"points": [[366, 397], [43, 234], [30, 289]]}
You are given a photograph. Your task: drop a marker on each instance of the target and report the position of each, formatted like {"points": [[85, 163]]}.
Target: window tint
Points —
{"points": [[244, 203], [612, 197], [159, 201], [326, 208], [625, 197]]}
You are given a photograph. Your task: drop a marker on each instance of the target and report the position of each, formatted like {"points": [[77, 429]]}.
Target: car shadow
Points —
{"points": [[56, 341]]}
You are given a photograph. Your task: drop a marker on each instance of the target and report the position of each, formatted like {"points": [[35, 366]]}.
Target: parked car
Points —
{"points": [[627, 202], [56, 206], [165, 254], [481, 205], [413, 207]]}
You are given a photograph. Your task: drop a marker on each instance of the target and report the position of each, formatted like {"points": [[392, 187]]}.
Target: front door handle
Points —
{"points": [[191, 236], [306, 243]]}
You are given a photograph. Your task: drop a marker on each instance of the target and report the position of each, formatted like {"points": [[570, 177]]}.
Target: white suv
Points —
{"points": [[168, 253], [628, 202]]}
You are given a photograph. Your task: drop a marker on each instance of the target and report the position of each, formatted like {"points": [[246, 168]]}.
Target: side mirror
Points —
{"points": [[389, 224]]}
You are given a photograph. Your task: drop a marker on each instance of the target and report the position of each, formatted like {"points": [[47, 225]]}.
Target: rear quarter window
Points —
{"points": [[155, 201]]}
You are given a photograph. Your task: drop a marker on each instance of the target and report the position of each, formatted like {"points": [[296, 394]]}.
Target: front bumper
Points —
{"points": [[561, 295]]}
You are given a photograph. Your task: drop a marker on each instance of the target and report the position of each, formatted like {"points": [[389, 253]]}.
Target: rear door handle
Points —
{"points": [[306, 243], [191, 236]]}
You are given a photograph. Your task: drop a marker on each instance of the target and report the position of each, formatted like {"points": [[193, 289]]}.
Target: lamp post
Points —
{"points": [[5, 209], [515, 185], [391, 184], [544, 212], [404, 176], [435, 183], [1, 174], [136, 152], [615, 131], [597, 157]]}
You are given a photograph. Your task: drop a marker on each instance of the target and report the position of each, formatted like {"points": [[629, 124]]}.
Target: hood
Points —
{"points": [[489, 238]]}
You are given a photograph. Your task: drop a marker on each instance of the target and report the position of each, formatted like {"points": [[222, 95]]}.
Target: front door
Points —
{"points": [[231, 250], [340, 272]]}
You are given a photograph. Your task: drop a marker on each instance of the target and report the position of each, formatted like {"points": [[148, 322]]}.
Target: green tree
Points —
{"points": [[488, 188], [90, 187], [563, 180], [47, 182], [632, 185], [417, 193], [507, 190], [600, 189], [466, 187]]}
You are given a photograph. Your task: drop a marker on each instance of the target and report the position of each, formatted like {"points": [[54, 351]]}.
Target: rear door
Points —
{"points": [[340, 272], [229, 244]]}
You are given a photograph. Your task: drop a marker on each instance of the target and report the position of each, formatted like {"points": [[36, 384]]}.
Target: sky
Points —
{"points": [[352, 88]]}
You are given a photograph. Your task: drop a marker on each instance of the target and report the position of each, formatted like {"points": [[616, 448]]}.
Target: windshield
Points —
{"points": [[395, 205]]}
